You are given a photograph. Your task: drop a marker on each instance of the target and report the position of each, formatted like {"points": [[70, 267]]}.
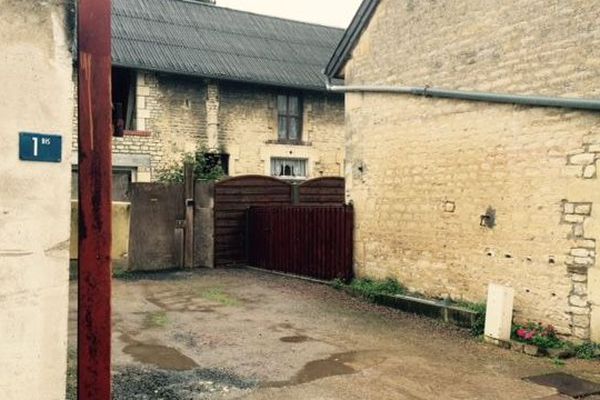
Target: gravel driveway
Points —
{"points": [[242, 334]]}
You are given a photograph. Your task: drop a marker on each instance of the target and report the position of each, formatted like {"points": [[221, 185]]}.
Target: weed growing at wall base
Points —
{"points": [[369, 288], [207, 166], [478, 327]]}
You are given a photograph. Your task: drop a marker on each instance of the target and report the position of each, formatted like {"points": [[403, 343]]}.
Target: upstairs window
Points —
{"points": [[289, 168], [289, 112], [123, 99]]}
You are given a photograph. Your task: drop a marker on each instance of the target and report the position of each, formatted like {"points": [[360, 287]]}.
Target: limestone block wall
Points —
{"points": [[422, 172], [248, 130], [170, 121], [177, 115], [37, 96]]}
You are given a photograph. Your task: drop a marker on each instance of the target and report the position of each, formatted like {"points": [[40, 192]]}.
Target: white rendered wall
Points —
{"points": [[36, 95]]}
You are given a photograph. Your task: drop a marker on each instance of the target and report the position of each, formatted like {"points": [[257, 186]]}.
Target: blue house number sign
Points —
{"points": [[40, 147]]}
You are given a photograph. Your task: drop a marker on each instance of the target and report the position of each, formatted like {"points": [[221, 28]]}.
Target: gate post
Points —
{"points": [[188, 251], [295, 194], [95, 192]]}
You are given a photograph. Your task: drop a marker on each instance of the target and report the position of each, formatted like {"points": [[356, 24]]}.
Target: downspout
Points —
{"points": [[425, 91]]}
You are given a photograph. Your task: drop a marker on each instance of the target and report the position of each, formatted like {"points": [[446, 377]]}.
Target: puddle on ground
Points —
{"points": [[336, 365], [295, 339], [160, 356]]}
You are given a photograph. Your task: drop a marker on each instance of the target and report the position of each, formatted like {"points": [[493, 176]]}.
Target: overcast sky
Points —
{"points": [[327, 12]]}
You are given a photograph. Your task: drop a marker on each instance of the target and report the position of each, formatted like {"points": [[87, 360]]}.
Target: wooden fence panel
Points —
{"points": [[233, 197], [307, 241], [322, 191]]}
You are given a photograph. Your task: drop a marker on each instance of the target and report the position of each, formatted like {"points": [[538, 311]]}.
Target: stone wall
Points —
{"points": [[178, 115], [37, 96], [248, 130], [422, 172]]}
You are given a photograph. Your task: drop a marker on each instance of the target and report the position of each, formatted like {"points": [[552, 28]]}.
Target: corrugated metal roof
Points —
{"points": [[185, 37]]}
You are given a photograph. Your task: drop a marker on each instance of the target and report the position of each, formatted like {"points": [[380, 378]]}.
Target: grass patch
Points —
{"points": [[71, 374], [478, 327], [156, 320], [588, 351], [217, 295], [369, 288]]}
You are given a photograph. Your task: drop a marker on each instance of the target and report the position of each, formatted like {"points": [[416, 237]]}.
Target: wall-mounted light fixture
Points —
{"points": [[488, 219]]}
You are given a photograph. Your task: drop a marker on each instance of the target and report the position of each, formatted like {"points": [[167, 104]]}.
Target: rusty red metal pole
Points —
{"points": [[95, 174]]}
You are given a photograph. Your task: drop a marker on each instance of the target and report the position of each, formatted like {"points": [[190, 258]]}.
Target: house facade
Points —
{"points": [[452, 194], [249, 88], [35, 132]]}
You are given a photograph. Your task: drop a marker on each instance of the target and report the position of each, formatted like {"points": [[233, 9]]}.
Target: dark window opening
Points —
{"points": [[123, 99], [289, 118], [214, 160], [122, 179]]}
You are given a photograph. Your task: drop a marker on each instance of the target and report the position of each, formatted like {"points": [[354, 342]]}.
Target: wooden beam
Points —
{"points": [[95, 191]]}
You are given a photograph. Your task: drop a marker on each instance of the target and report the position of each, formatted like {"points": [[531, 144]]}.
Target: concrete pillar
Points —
{"points": [[499, 311], [37, 96]]}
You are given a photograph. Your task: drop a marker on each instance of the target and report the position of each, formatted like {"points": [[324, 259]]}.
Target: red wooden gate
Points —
{"points": [[308, 241], [233, 197]]}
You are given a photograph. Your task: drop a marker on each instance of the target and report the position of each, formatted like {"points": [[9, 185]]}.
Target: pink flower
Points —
{"points": [[521, 333]]}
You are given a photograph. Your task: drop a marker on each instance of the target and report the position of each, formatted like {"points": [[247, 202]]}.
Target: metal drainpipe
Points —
{"points": [[424, 91]]}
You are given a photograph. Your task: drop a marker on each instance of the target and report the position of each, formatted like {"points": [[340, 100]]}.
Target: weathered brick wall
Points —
{"points": [[248, 130], [422, 171]]}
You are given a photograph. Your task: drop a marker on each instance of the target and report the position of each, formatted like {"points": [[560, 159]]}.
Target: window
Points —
{"points": [[121, 183], [289, 168], [123, 99], [289, 114], [213, 160]]}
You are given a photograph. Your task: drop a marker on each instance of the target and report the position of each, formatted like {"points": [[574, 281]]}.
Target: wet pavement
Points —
{"points": [[241, 334]]}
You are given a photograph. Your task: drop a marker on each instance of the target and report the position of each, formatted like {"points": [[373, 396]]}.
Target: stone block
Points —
{"points": [[589, 171], [582, 159], [581, 333], [583, 260], [579, 277], [581, 321], [574, 219], [578, 230], [580, 252], [569, 208], [578, 301], [583, 209], [532, 350]]}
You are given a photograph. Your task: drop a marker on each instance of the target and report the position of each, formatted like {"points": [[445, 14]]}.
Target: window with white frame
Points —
{"points": [[289, 168]]}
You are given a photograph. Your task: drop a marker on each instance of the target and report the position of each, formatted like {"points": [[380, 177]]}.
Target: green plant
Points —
{"points": [[369, 288], [337, 284], [207, 166], [157, 319], [558, 362], [539, 335], [588, 351], [478, 327], [217, 295]]}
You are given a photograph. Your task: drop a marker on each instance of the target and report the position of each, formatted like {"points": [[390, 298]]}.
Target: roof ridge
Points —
{"points": [[202, 28], [203, 4]]}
